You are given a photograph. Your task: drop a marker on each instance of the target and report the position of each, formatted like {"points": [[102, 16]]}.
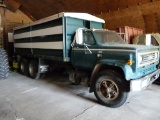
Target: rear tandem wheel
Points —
{"points": [[33, 69]]}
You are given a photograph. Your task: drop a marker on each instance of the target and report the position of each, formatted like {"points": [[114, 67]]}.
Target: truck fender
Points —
{"points": [[123, 68]]}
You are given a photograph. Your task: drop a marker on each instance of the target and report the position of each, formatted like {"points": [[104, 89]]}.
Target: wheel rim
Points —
{"points": [[31, 70], [108, 89], [22, 67]]}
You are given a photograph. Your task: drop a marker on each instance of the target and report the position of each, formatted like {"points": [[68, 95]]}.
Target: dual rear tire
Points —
{"points": [[33, 69], [24, 67], [29, 68]]}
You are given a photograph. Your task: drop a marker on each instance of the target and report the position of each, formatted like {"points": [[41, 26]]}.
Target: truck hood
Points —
{"points": [[128, 47]]}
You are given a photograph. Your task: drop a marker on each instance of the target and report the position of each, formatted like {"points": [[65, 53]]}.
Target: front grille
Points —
{"points": [[147, 58]]}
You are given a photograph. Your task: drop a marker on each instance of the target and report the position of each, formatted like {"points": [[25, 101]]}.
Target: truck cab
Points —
{"points": [[114, 67], [88, 45]]}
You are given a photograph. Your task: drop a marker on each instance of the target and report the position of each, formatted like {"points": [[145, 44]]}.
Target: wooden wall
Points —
{"points": [[143, 16], [8, 21]]}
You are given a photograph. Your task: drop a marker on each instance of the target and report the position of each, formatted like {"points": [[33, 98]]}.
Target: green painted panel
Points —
{"points": [[70, 26], [96, 25]]}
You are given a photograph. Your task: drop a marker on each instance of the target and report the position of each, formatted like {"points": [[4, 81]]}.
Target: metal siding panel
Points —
{"points": [[72, 24], [43, 40], [42, 53], [48, 38], [40, 32], [40, 45], [64, 38], [48, 24], [26, 29], [96, 25]]}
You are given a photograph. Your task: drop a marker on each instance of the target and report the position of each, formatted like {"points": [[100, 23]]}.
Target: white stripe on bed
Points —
{"points": [[41, 32], [40, 45]]}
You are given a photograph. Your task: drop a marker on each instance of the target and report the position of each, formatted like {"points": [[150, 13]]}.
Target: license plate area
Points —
{"points": [[154, 77]]}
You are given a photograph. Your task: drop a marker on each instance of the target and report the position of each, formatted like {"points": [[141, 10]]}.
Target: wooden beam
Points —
{"points": [[12, 5]]}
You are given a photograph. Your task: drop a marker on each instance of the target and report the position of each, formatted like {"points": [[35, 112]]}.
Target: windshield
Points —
{"points": [[108, 37]]}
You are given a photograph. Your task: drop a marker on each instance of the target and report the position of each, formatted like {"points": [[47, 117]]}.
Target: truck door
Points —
{"points": [[84, 55]]}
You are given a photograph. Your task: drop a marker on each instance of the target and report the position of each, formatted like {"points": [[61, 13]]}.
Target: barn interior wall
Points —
{"points": [[8, 21], [145, 16]]}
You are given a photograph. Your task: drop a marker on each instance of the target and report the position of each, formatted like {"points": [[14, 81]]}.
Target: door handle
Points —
{"points": [[99, 55]]}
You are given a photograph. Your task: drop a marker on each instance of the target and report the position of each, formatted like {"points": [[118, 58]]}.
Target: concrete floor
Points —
{"points": [[54, 98]]}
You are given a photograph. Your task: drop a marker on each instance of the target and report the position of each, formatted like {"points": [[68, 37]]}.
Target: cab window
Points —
{"points": [[88, 38], [154, 41]]}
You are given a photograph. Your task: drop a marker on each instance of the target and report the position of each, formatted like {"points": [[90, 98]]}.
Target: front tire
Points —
{"points": [[110, 89], [33, 69]]}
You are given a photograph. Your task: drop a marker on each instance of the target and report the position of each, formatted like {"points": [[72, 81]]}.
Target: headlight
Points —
{"points": [[156, 55], [139, 59], [147, 58]]}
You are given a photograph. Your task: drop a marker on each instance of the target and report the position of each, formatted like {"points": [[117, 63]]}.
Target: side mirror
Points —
{"points": [[79, 36], [148, 39]]}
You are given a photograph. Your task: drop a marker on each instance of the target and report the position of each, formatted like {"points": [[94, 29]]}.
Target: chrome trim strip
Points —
{"points": [[114, 50]]}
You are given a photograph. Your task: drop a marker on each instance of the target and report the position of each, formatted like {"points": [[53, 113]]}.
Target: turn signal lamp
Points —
{"points": [[65, 59], [129, 62]]}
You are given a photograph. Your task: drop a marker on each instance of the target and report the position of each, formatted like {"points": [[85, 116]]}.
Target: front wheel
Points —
{"points": [[110, 89]]}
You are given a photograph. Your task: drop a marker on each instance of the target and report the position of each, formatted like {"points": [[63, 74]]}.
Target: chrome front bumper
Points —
{"points": [[143, 83]]}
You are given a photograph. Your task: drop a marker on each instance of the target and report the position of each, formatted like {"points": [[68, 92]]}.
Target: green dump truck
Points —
{"points": [[95, 57]]}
